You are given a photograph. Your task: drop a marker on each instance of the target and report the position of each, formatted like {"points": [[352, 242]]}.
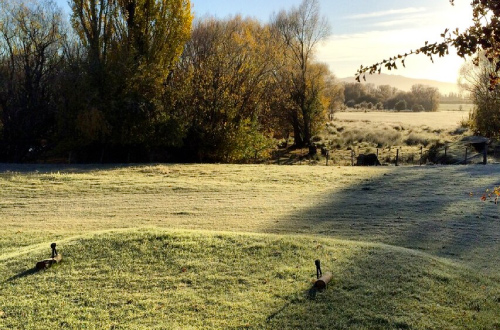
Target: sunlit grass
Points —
{"points": [[183, 279], [446, 119], [37, 207]]}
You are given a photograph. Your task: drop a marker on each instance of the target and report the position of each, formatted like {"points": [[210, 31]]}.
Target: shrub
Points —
{"points": [[459, 131], [331, 130], [350, 103], [400, 105], [415, 139], [383, 138], [417, 107]]}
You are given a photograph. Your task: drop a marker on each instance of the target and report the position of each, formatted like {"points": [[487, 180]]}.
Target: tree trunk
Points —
{"points": [[307, 128], [297, 131]]}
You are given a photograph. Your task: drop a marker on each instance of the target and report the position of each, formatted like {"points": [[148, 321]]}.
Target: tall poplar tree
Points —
{"points": [[132, 46], [300, 31]]}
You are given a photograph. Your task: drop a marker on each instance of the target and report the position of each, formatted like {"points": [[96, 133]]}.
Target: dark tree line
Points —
{"points": [[369, 96], [136, 80]]}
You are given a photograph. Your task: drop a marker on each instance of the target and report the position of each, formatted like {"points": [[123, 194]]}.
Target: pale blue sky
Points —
{"points": [[365, 31]]}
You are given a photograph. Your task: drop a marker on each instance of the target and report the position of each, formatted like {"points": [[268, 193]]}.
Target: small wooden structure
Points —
{"points": [[367, 160], [54, 259], [479, 144]]}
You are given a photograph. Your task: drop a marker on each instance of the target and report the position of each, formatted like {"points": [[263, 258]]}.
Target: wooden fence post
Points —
{"points": [[421, 154], [445, 153], [485, 154], [352, 157], [397, 157]]}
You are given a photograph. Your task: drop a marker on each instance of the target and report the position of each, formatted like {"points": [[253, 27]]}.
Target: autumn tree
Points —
{"points": [[31, 36], [475, 79], [153, 34], [221, 86], [425, 96], [332, 94], [356, 93], [132, 46], [300, 30]]}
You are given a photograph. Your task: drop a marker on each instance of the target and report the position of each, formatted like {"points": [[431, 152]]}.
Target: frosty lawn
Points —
{"points": [[234, 246]]}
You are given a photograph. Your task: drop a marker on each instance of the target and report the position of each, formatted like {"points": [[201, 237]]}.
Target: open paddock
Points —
{"points": [[437, 120]]}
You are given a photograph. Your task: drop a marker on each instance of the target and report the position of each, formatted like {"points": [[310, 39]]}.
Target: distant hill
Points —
{"points": [[405, 83]]}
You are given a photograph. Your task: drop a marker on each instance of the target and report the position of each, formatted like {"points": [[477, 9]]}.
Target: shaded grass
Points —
{"points": [[184, 279]]}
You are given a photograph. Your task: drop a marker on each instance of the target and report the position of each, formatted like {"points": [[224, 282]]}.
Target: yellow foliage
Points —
{"points": [[92, 124]]}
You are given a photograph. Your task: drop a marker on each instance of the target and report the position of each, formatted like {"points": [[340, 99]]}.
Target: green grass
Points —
{"points": [[189, 279], [230, 246]]}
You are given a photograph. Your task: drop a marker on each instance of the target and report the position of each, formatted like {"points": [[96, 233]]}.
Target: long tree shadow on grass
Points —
{"points": [[422, 208], [383, 288], [51, 168]]}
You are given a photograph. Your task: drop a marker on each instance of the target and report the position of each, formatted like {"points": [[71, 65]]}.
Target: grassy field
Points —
{"points": [[231, 246], [448, 119], [456, 107], [410, 135]]}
